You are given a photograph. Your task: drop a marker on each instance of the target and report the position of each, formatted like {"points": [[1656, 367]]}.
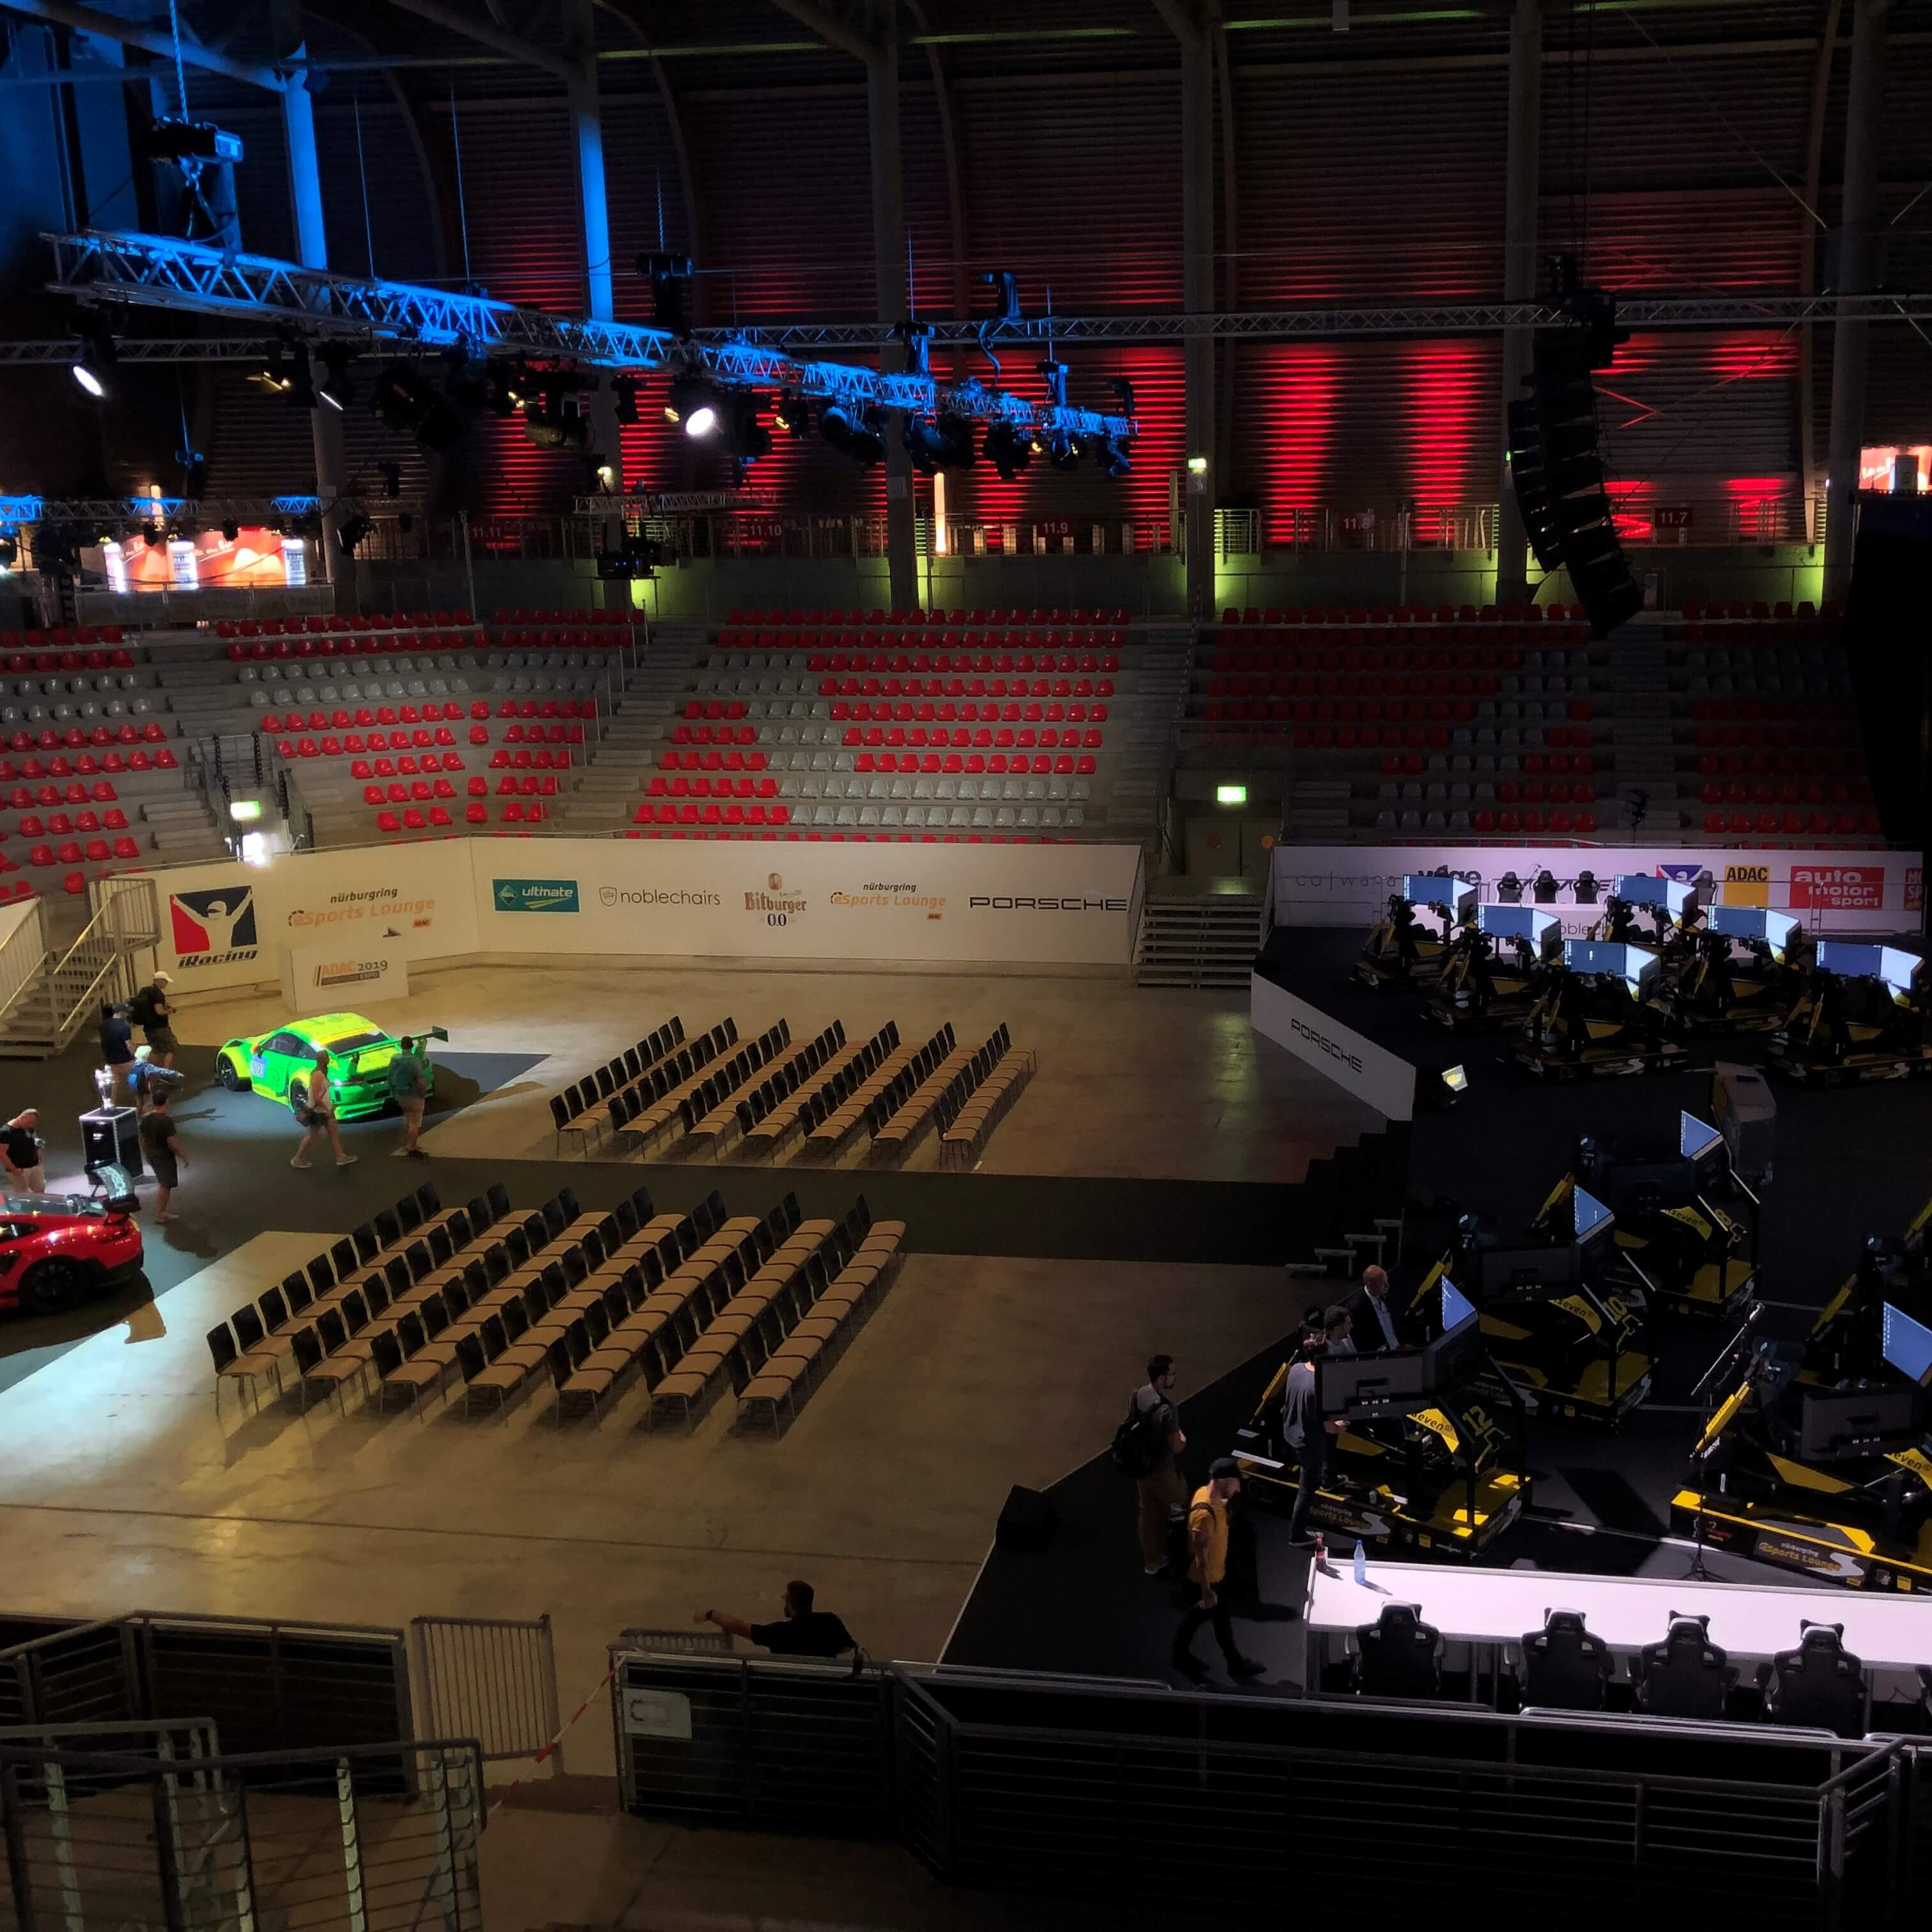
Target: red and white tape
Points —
{"points": [[548, 1748]]}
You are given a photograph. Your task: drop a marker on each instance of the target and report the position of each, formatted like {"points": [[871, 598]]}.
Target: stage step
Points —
{"points": [[1202, 940]]}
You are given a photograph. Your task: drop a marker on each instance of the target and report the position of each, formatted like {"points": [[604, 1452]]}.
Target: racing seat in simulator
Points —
{"points": [[1861, 1017], [1670, 906], [1398, 1655], [1494, 968], [1820, 1685], [1686, 1675], [1715, 992], [1566, 1666], [1399, 950], [1599, 1014]]}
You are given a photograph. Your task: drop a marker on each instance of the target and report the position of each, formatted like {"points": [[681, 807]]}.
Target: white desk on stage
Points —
{"points": [[1482, 1613]]}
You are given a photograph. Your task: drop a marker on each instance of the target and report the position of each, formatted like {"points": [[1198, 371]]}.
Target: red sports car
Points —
{"points": [[56, 1249]]}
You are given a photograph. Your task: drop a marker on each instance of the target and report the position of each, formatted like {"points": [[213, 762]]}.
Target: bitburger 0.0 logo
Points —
{"points": [[779, 907]]}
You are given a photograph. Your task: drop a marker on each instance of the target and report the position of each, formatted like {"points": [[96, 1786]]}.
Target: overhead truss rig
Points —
{"points": [[157, 271], [202, 512]]}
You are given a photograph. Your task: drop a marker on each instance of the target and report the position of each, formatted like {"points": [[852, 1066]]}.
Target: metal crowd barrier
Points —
{"points": [[1089, 1787], [492, 1679]]}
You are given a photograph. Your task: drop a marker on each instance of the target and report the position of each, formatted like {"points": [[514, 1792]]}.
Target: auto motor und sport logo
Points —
{"points": [[213, 927], [533, 894], [1837, 888]]}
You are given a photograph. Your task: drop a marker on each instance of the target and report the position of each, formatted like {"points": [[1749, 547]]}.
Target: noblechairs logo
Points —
{"points": [[534, 894], [213, 928], [648, 895]]}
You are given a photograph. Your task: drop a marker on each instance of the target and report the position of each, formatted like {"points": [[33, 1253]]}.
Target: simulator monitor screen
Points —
{"points": [[1359, 1384], [1457, 1308], [1907, 1346], [1835, 1425]]}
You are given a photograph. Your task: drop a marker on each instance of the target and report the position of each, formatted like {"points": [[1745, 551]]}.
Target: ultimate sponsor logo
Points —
{"points": [[1071, 902], [650, 895], [1322, 1043], [775, 904], [213, 927], [892, 895], [534, 894], [382, 902]]}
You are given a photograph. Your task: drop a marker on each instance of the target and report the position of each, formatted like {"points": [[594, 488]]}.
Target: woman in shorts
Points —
{"points": [[316, 1110]]}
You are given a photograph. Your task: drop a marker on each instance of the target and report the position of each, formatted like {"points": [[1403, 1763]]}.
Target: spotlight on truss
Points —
{"points": [[1111, 454], [1007, 449], [1064, 452], [669, 275], [407, 404], [335, 388], [793, 414], [93, 357], [939, 443], [624, 392], [861, 435], [740, 433], [692, 403]]}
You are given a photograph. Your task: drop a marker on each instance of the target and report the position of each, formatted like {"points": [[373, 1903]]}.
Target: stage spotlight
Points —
{"points": [[859, 435], [1112, 456], [668, 275], [1064, 452], [739, 432], [792, 415], [335, 388], [350, 532], [932, 443], [151, 534], [1007, 449], [549, 425], [194, 473], [624, 391], [510, 389], [94, 355], [408, 405], [692, 403]]}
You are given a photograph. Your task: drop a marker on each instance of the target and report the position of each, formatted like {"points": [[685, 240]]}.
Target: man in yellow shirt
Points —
{"points": [[1207, 1565]]}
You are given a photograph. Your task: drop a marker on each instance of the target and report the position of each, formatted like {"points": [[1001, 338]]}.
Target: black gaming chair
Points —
{"points": [[1819, 1684], [1398, 1655], [1564, 1666], [1686, 1675]]}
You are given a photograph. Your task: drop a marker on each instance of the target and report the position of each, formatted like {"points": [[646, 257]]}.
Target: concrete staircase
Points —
{"points": [[1640, 724], [1163, 663], [1198, 939], [626, 754]]}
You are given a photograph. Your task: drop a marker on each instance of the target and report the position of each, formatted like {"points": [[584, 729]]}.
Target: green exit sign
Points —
{"points": [[1231, 794]]}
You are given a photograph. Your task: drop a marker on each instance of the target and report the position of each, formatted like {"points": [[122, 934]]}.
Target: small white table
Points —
{"points": [[1482, 1613]]}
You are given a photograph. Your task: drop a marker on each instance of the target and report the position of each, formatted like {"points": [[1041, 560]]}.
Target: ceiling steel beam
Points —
{"points": [[150, 39], [455, 21]]}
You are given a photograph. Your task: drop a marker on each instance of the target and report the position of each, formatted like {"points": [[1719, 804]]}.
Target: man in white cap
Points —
{"points": [[150, 1007]]}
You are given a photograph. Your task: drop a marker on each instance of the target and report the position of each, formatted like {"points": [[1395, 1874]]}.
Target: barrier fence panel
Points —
{"points": [[491, 1679], [378, 1839], [89, 1673], [770, 1744]]}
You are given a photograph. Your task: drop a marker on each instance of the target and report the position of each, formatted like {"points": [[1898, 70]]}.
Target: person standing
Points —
{"points": [[1303, 1430], [408, 1088], [1207, 1566], [1338, 1329], [149, 1009], [146, 1077], [317, 1113], [162, 1146], [117, 1052], [1157, 1440], [20, 1154], [800, 1631], [1375, 1313]]}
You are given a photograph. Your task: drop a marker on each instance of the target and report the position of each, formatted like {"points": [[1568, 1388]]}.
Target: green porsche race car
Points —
{"points": [[281, 1063]]}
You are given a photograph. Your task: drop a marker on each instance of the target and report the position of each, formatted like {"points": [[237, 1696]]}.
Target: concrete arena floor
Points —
{"points": [[118, 1488]]}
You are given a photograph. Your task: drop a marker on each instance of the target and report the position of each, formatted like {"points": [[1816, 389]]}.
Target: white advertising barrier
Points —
{"points": [[1021, 904], [1371, 1072], [1048, 905], [326, 979], [1828, 892], [225, 925]]}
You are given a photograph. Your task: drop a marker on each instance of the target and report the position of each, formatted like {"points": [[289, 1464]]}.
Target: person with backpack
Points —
{"points": [[1145, 1446], [149, 1010]]}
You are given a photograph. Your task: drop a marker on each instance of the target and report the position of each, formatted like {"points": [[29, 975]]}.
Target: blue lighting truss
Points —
{"points": [[157, 271], [200, 511]]}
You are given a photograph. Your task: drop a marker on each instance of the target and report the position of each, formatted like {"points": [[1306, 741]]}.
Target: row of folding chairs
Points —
{"points": [[968, 1116], [713, 1095], [648, 1329], [897, 1115], [771, 1382], [255, 1339], [786, 1078], [829, 1116], [767, 1116], [654, 1098], [566, 1109]]}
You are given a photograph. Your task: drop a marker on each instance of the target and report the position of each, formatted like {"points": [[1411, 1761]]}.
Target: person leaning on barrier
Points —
{"points": [[802, 1631]]}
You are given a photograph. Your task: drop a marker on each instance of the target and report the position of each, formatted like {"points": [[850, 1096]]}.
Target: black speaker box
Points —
{"points": [[1027, 1522]]}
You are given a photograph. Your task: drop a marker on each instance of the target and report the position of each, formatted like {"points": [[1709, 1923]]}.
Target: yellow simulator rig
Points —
{"points": [[1400, 951]]}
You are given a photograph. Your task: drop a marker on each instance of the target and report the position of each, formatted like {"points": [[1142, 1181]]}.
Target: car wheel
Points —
{"points": [[298, 1095], [227, 1078], [52, 1286]]}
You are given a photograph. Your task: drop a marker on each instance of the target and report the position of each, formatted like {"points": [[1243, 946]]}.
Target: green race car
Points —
{"points": [[280, 1063]]}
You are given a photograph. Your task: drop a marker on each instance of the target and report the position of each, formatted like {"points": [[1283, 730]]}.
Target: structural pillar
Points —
{"points": [[1858, 273], [889, 271], [312, 251], [1197, 242], [1521, 186]]}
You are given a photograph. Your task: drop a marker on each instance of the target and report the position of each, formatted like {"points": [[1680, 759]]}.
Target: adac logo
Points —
{"points": [[213, 927]]}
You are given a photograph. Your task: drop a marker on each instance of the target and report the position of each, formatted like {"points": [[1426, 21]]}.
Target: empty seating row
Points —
{"points": [[766, 1116], [829, 1115], [63, 638], [1840, 824], [710, 1109], [595, 615], [99, 737], [903, 1107], [574, 1104], [916, 617], [795, 833], [328, 623], [800, 669], [785, 1076], [637, 1111], [978, 1098], [923, 690]]}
